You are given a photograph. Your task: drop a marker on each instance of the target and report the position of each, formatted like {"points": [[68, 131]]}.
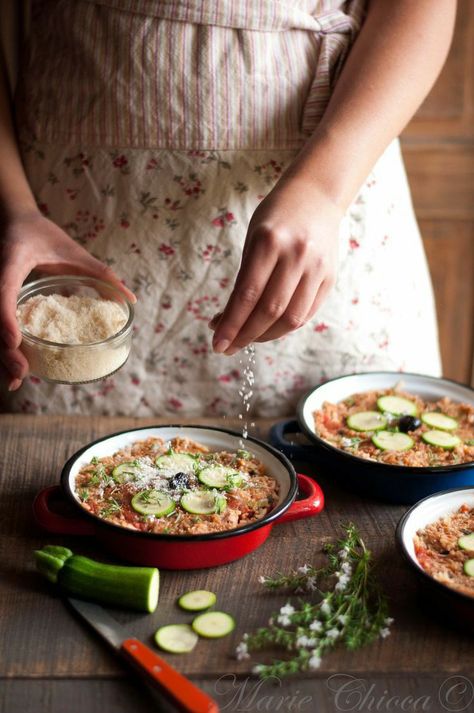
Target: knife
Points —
{"points": [[176, 687]]}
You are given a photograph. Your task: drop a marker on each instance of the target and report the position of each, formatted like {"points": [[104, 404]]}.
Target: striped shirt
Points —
{"points": [[183, 74]]}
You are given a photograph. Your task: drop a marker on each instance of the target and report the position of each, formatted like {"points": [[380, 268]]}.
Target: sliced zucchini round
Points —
{"points": [[441, 439], [121, 471], [153, 502], [177, 462], [466, 542], [397, 405], [367, 421], [213, 624], [439, 420], [219, 476], [468, 569], [392, 441], [203, 502], [197, 600], [176, 638]]}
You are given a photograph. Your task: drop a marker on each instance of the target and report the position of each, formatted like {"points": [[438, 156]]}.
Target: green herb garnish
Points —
{"points": [[100, 471], [351, 610], [111, 508]]}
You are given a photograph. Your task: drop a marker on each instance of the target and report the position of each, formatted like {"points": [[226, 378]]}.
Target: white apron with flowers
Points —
{"points": [[150, 131]]}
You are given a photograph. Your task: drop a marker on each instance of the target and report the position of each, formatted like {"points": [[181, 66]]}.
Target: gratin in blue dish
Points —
{"points": [[389, 483], [447, 603]]}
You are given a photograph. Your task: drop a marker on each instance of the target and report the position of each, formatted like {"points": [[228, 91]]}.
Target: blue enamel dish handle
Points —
{"points": [[293, 451]]}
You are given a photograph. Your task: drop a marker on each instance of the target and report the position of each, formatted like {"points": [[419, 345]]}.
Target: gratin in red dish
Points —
{"points": [[177, 487], [179, 551]]}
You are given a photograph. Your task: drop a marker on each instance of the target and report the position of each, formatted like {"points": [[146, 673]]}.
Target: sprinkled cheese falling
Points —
{"points": [[246, 389]]}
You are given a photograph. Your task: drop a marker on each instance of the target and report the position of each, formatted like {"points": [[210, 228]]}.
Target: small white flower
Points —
{"points": [[262, 579], [342, 618], [315, 661], [389, 620], [245, 637], [326, 608], [333, 633], [311, 584], [384, 632], [346, 567], [316, 625], [242, 651], [284, 620], [256, 669], [302, 641], [303, 570], [287, 609], [344, 553], [342, 583]]}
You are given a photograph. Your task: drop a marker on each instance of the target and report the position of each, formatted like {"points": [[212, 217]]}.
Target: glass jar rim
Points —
{"points": [[61, 280]]}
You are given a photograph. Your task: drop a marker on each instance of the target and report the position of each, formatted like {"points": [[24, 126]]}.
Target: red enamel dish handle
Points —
{"points": [[179, 689], [311, 505], [53, 521]]}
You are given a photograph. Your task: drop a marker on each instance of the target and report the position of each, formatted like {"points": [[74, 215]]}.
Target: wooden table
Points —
{"points": [[51, 663]]}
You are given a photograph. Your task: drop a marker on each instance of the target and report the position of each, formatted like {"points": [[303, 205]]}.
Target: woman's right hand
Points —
{"points": [[30, 241]]}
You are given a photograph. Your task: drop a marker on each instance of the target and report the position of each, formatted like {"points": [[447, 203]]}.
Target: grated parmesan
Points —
{"points": [[71, 320], [75, 321]]}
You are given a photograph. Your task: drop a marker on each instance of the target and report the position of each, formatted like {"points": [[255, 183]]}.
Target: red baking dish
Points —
{"points": [[179, 551]]}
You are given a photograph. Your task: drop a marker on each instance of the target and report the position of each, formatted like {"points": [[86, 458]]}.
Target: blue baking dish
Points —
{"points": [[389, 483]]}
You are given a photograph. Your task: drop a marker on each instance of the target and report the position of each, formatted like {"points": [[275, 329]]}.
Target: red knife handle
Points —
{"points": [[179, 689]]}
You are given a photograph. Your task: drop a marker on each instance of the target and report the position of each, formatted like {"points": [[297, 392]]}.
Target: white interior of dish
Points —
{"points": [[213, 439], [429, 511], [426, 387]]}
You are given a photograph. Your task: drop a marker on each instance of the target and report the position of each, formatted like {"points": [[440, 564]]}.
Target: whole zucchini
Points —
{"points": [[122, 586]]}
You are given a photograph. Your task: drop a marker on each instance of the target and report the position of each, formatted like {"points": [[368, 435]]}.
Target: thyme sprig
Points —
{"points": [[351, 610]]}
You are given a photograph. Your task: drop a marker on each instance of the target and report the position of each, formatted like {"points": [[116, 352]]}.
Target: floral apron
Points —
{"points": [[150, 130]]}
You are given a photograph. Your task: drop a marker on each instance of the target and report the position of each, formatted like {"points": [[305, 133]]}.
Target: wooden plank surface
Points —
{"points": [[41, 638], [407, 694], [450, 255]]}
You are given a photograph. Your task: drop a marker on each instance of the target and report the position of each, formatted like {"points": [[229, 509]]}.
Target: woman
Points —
{"points": [[159, 138]]}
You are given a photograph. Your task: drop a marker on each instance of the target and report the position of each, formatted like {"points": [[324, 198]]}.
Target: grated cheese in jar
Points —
{"points": [[80, 323]]}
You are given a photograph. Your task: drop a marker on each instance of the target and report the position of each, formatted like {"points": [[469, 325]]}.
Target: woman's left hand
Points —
{"points": [[288, 267]]}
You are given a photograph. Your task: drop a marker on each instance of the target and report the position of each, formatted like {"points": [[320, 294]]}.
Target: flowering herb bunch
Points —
{"points": [[351, 610]]}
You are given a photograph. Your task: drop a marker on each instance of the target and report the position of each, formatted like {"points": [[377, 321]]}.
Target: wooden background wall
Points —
{"points": [[438, 147]]}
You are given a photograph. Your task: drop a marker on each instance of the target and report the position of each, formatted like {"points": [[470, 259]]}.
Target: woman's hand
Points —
{"points": [[288, 267], [29, 241]]}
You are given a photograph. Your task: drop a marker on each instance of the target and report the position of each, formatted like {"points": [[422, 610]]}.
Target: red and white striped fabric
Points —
{"points": [[231, 74]]}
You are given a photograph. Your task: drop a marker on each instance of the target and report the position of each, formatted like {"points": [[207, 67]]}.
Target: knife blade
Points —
{"points": [[176, 687]]}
